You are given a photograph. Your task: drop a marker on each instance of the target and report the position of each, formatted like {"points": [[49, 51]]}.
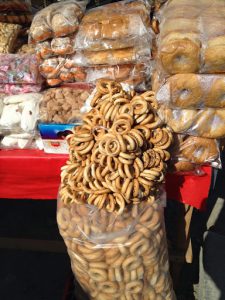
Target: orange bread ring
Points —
{"points": [[185, 90], [214, 56], [180, 56], [216, 95]]}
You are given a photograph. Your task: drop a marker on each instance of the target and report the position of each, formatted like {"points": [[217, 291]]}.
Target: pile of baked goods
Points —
{"points": [[189, 80], [114, 39], [117, 162], [63, 104]]}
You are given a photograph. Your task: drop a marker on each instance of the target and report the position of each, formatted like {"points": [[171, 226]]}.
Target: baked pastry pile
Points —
{"points": [[118, 155], [192, 37], [113, 39], [109, 210], [63, 104]]}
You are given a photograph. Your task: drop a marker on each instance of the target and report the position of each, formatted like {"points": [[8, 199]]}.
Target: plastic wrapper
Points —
{"points": [[197, 150], [137, 54], [57, 46], [20, 141], [185, 168], [207, 123], [19, 69], [192, 91], [59, 70], [63, 104], [20, 113], [117, 257], [15, 89], [8, 36], [123, 25], [192, 37], [56, 20], [26, 49]]}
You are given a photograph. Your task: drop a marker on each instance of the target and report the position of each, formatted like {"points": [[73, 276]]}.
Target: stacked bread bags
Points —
{"points": [[110, 206], [53, 31], [189, 80], [20, 83], [113, 41]]}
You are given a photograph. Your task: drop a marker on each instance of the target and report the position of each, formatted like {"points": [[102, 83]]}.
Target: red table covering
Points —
{"points": [[33, 174]]}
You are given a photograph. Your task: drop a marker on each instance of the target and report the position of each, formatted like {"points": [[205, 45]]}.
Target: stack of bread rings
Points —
{"points": [[189, 78], [118, 155]]}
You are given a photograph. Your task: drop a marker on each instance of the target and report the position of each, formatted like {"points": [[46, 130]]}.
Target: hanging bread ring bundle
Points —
{"points": [[118, 155]]}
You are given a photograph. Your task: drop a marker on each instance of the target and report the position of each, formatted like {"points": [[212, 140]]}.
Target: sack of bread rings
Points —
{"points": [[185, 168], [192, 91], [196, 150], [117, 257], [115, 27], [191, 38], [207, 123], [57, 20], [62, 104], [15, 12]]}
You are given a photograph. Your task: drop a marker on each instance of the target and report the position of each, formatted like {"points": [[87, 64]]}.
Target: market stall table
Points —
{"points": [[33, 174]]}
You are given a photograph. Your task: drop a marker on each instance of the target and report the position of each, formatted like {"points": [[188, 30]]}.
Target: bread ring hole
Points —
{"points": [[185, 94], [179, 58], [198, 152], [222, 97]]}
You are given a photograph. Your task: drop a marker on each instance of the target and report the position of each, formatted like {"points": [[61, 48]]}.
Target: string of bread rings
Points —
{"points": [[117, 156]]}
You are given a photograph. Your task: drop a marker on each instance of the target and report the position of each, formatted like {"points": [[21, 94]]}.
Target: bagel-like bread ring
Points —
{"points": [[216, 95], [185, 90], [63, 218], [214, 56], [178, 120], [180, 56], [199, 150], [181, 11]]}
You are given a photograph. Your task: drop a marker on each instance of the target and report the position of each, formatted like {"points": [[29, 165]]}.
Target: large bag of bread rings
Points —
{"points": [[117, 256]]}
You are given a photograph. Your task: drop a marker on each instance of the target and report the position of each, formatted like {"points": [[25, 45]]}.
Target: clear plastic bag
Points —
{"points": [[191, 37], [63, 104], [20, 113], [123, 25], [137, 54], [15, 89], [19, 69], [207, 123], [8, 36], [197, 150], [57, 20], [117, 257], [55, 47], [185, 168], [192, 91], [20, 141]]}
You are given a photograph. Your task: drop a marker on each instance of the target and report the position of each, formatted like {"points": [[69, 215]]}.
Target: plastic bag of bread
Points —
{"points": [[20, 141], [191, 37], [19, 69], [197, 150], [136, 75], [15, 12], [20, 113], [181, 167], [8, 36], [57, 20], [115, 27], [55, 47], [63, 104], [61, 69], [117, 257], [207, 123], [137, 54], [192, 91]]}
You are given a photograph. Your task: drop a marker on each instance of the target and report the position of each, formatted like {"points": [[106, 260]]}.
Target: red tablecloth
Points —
{"points": [[33, 174]]}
